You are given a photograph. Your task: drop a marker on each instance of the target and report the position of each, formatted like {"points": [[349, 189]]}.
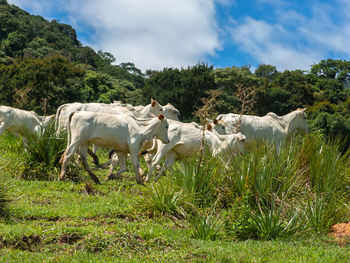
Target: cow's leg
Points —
{"points": [[169, 161], [94, 148], [136, 164], [106, 164], [119, 158], [25, 141], [148, 160], [67, 155], [162, 150], [83, 157], [2, 127], [113, 160], [94, 157]]}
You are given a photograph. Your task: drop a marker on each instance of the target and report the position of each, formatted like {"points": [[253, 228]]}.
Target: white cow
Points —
{"points": [[150, 148], [154, 108], [170, 112], [185, 140], [45, 120], [124, 133], [18, 122], [271, 127]]}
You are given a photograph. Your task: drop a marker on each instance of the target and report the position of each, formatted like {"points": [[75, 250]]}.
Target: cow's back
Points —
{"points": [[101, 129], [264, 128], [19, 121]]}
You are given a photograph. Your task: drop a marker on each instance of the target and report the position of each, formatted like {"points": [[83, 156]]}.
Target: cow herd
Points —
{"points": [[153, 130]]}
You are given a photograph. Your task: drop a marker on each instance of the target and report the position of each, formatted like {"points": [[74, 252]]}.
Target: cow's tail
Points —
{"points": [[58, 113], [110, 154], [68, 127]]}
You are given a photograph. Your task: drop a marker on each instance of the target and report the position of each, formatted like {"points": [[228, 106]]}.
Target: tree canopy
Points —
{"points": [[44, 65]]}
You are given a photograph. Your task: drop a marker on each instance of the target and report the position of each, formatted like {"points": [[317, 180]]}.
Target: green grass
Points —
{"points": [[244, 219]]}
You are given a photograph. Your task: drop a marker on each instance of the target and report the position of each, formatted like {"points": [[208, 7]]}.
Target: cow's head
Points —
{"points": [[236, 142], [219, 127], [156, 108], [162, 133], [170, 112], [215, 126], [301, 122]]}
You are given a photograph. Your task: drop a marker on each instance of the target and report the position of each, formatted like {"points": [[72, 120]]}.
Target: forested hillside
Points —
{"points": [[42, 61], [43, 65]]}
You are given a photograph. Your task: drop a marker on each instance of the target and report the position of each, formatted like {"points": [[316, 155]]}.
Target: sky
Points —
{"points": [[154, 34]]}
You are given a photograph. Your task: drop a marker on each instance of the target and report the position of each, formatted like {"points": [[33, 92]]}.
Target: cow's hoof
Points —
{"points": [[113, 177], [110, 177], [97, 181], [61, 178], [141, 182]]}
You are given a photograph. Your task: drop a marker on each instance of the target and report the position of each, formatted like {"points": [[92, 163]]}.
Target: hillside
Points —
{"points": [[50, 64], [43, 65]]}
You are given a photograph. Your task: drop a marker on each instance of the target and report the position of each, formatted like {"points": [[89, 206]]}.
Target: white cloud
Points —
{"points": [[324, 32], [152, 34], [42, 7], [296, 40], [265, 43]]}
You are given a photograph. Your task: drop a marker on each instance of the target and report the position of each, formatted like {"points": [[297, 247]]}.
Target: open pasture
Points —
{"points": [[257, 207]]}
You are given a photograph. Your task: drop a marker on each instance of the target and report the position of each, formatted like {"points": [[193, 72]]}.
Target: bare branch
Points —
{"points": [[21, 96], [247, 98]]}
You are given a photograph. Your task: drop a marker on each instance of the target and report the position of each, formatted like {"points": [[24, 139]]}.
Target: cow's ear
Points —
{"points": [[304, 109], [152, 115], [215, 121], [242, 137], [161, 117], [153, 102], [209, 127]]}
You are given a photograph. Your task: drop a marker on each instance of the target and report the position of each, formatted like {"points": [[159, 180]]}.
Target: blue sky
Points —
{"points": [[155, 34]]}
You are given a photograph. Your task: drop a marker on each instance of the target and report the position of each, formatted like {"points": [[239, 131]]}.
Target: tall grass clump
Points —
{"points": [[260, 186], [326, 182], [164, 198], [296, 191], [206, 225], [43, 150], [198, 181]]}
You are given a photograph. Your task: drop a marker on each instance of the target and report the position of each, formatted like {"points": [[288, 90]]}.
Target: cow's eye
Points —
{"points": [[160, 109]]}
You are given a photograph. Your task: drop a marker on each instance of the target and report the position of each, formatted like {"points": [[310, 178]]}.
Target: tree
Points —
{"points": [[14, 43], [266, 71], [227, 80], [182, 88]]}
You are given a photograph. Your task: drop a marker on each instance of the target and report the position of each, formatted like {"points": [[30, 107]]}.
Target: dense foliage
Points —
{"points": [[43, 65]]}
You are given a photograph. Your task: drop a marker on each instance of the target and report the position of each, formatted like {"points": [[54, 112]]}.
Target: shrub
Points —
{"points": [[198, 181], [164, 198], [299, 190], [206, 227], [42, 153]]}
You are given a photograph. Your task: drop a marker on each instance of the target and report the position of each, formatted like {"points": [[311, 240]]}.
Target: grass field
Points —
{"points": [[121, 221]]}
